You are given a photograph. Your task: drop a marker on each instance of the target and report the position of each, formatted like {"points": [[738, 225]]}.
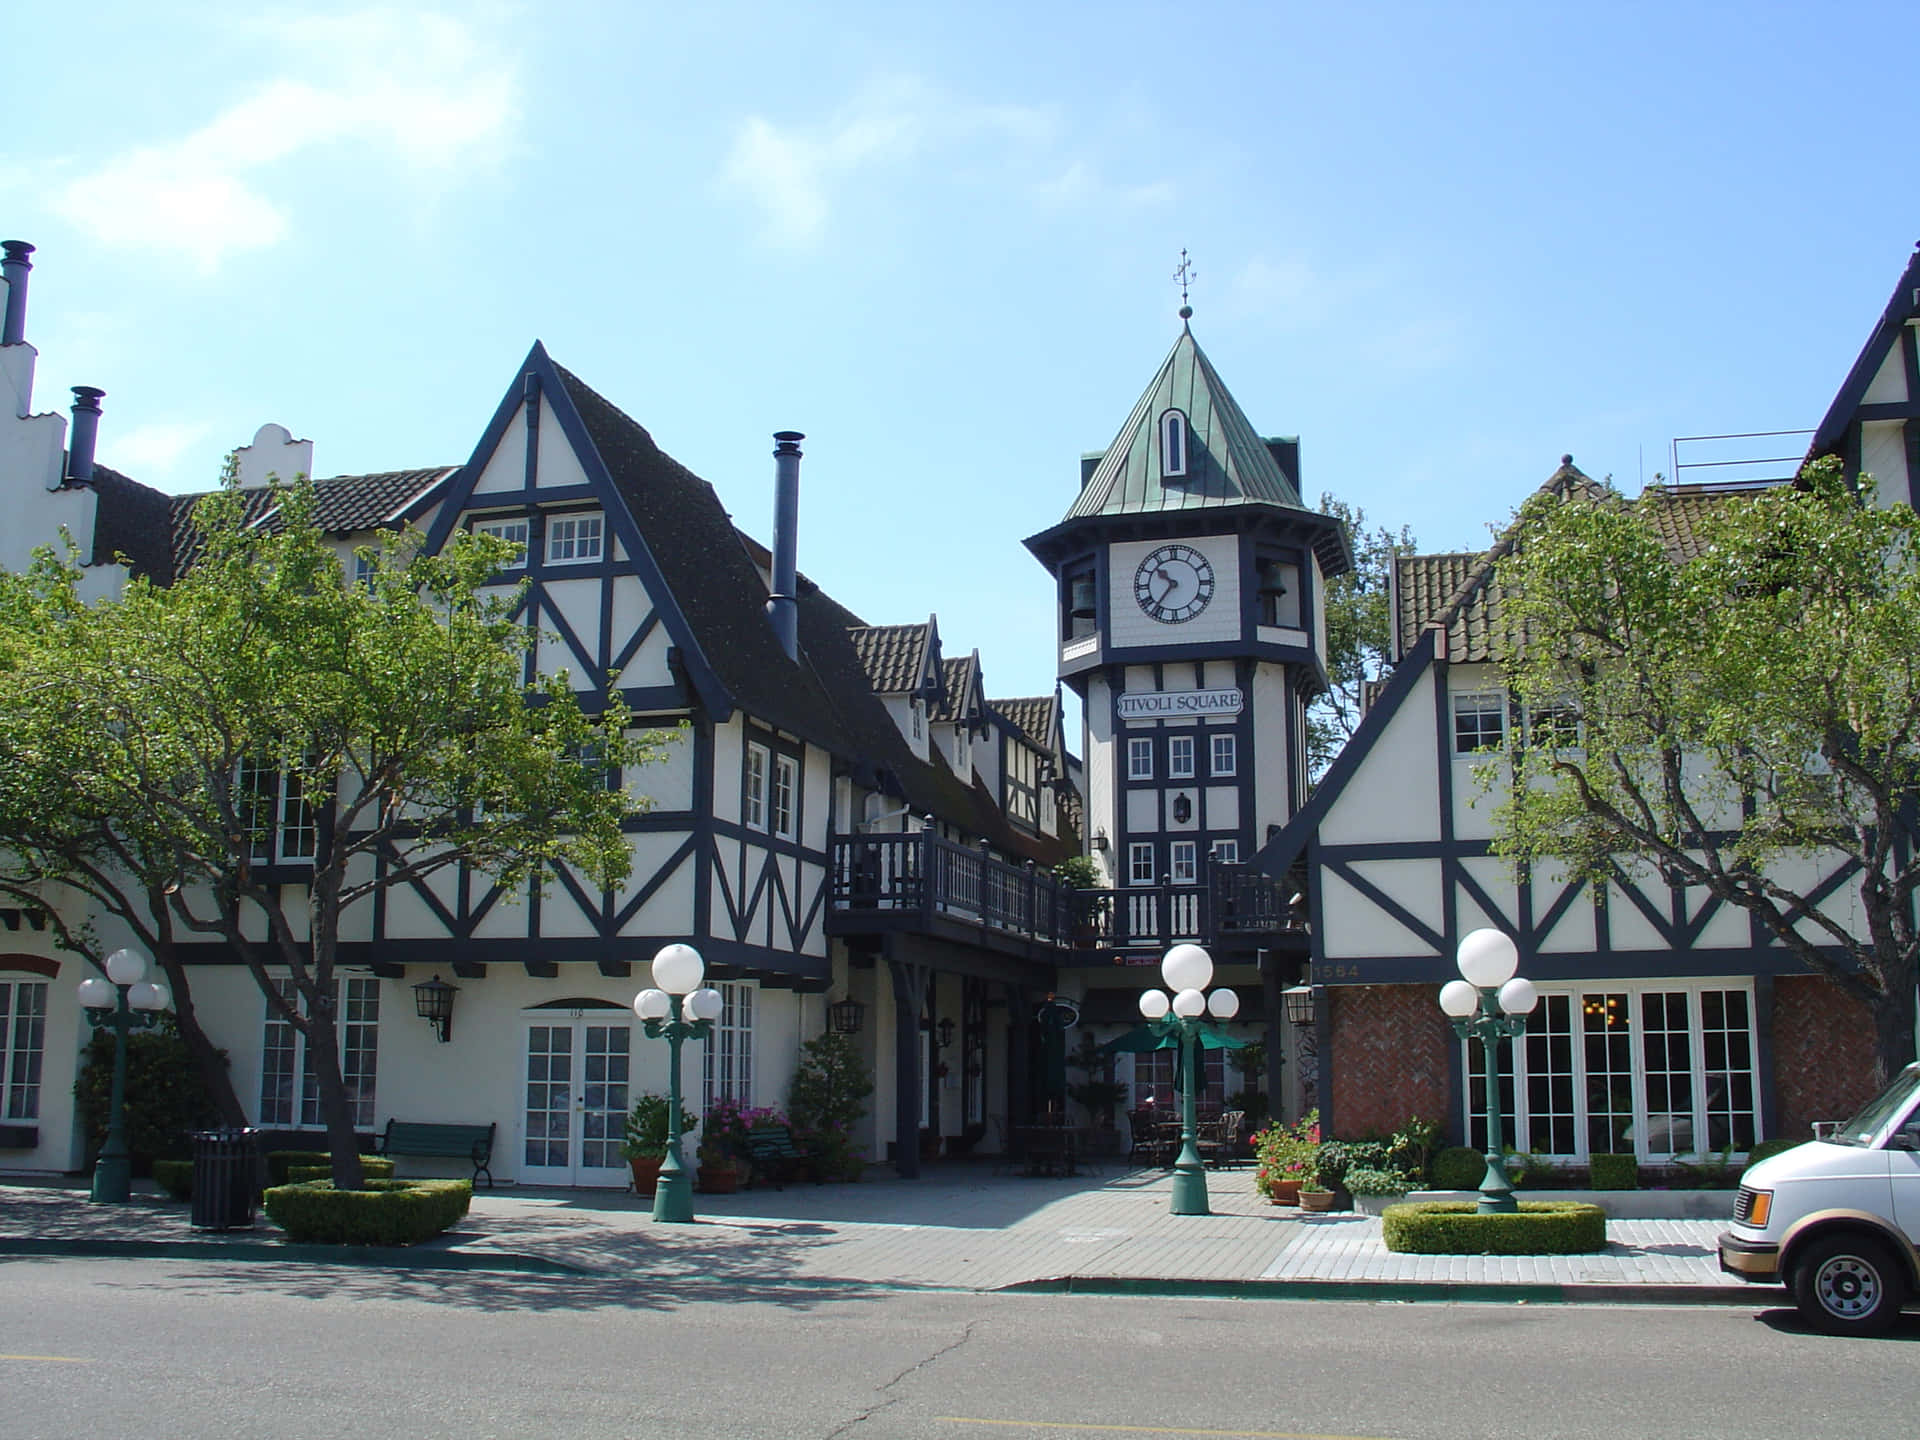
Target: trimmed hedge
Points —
{"points": [[175, 1177], [386, 1212], [372, 1167], [1614, 1172], [1458, 1167], [1454, 1227]]}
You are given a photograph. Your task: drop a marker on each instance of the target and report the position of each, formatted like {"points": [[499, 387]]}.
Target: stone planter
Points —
{"points": [[1377, 1204]]}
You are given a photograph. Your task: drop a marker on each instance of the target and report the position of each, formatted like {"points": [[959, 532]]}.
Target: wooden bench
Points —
{"points": [[776, 1155], [473, 1143]]}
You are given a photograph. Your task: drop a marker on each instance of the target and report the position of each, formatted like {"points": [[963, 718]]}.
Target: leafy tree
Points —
{"points": [[1359, 631], [827, 1099], [388, 722], [1724, 717]]}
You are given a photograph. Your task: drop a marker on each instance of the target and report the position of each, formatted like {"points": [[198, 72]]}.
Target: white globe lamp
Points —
{"points": [[1186, 967], [652, 1004], [1223, 1004], [678, 969], [126, 967], [1154, 1003], [1487, 959], [706, 1004], [1459, 999], [1518, 997]]}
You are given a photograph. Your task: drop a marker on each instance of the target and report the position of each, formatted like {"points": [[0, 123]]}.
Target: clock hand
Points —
{"points": [[1173, 584]]}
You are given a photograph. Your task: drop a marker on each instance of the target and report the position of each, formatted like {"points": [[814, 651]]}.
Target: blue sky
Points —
{"points": [[1441, 244]]}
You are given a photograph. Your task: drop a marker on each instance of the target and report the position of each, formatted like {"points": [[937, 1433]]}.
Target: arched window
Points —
{"points": [[1173, 444]]}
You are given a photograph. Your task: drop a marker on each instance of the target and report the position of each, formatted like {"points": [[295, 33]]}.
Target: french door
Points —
{"points": [[577, 1074]]}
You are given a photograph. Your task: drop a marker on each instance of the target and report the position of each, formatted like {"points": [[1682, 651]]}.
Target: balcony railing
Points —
{"points": [[912, 879]]}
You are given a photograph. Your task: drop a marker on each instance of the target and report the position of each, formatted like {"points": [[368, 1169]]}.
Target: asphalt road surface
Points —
{"points": [[100, 1348]]}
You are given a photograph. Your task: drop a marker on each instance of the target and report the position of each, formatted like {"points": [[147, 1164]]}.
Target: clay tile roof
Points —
{"points": [[960, 676], [1033, 716], [343, 504], [895, 656]]}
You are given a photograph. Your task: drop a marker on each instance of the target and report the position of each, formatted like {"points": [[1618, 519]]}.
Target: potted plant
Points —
{"points": [[1374, 1189], [1099, 1094], [1285, 1158], [1078, 872], [645, 1140], [827, 1100]]}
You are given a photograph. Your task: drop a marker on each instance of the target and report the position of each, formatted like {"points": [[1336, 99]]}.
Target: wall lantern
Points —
{"points": [[1182, 809], [433, 1003], [945, 1029], [1299, 1001], [844, 1017]]}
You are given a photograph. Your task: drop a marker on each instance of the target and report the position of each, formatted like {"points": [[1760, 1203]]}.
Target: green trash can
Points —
{"points": [[224, 1190]]}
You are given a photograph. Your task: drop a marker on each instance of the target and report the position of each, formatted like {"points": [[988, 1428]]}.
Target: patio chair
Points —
{"points": [[1219, 1141]]}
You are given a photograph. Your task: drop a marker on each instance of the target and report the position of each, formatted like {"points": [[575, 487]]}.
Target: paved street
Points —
{"points": [[217, 1348]]}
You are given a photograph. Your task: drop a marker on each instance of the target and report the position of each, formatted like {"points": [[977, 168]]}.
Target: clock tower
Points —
{"points": [[1190, 622]]}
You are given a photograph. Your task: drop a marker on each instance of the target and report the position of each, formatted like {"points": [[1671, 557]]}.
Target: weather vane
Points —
{"points": [[1184, 274]]}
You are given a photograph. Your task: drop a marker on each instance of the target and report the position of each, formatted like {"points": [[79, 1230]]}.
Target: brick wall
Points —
{"points": [[1822, 1053], [1390, 1045]]}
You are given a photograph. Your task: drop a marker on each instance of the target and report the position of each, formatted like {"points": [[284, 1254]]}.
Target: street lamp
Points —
{"points": [[1188, 970], [1490, 1003], [126, 1000], [676, 995]]}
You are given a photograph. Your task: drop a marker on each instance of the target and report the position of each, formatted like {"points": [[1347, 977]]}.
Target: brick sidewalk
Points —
{"points": [[960, 1227]]}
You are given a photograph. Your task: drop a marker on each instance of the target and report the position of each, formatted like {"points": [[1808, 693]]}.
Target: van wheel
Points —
{"points": [[1849, 1285]]}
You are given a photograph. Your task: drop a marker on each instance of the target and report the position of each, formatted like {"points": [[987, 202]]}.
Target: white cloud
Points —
{"points": [[1079, 187], [149, 452], [421, 91], [794, 174]]}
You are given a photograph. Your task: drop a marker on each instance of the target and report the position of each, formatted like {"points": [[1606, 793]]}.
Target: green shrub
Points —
{"points": [[1368, 1180], [1615, 1172], [1458, 1167], [387, 1212], [166, 1098], [1454, 1227], [1336, 1157], [175, 1177], [1767, 1149], [372, 1167]]}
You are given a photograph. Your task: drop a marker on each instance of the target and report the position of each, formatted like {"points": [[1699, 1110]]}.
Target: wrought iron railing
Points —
{"points": [[926, 875]]}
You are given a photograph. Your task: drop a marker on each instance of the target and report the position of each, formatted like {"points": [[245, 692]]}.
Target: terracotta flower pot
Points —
{"points": [[1316, 1200], [646, 1172], [719, 1179], [1285, 1192]]}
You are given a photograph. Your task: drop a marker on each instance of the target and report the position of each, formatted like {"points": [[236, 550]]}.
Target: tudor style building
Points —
{"points": [[1191, 624], [1669, 1024], [800, 781]]}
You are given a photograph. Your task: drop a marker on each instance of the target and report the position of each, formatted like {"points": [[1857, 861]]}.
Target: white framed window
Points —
{"points": [[1225, 755], [1180, 757], [1657, 1071], [281, 823], [1184, 858], [1554, 724], [518, 530], [1173, 443], [727, 1070], [1226, 852], [1479, 721], [288, 1092], [575, 539], [23, 1047], [785, 782], [753, 797], [364, 564], [1140, 863], [1140, 758]]}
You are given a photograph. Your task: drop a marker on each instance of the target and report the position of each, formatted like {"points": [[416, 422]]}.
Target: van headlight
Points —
{"points": [[1751, 1207]]}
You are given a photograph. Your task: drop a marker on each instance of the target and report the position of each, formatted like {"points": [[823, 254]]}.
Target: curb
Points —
{"points": [[288, 1253], [1400, 1291]]}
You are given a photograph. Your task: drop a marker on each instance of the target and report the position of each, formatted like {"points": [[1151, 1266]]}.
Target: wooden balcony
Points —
{"points": [[924, 884]]}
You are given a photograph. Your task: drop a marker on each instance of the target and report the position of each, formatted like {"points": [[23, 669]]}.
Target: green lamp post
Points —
{"points": [[1188, 970], [680, 1008], [1490, 1003], [126, 1000]]}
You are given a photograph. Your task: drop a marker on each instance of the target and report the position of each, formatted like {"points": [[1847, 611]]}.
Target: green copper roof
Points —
{"points": [[1228, 464]]}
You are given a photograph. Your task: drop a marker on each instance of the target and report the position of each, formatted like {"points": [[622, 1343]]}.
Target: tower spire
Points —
{"points": [[1183, 276]]}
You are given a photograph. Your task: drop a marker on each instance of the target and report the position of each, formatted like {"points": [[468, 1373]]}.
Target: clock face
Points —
{"points": [[1173, 584]]}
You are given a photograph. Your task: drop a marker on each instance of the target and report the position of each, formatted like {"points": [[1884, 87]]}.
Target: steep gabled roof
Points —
{"points": [[1902, 308], [132, 520], [1036, 717], [1228, 462], [962, 699], [901, 659]]}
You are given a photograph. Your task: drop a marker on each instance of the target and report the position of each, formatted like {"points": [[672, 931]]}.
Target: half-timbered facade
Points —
{"points": [[1670, 1024]]}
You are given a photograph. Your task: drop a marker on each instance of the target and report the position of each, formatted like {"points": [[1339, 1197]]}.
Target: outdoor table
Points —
{"points": [[1050, 1149]]}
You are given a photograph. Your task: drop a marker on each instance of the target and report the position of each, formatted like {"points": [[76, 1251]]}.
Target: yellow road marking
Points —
{"points": [[52, 1359], [1147, 1429]]}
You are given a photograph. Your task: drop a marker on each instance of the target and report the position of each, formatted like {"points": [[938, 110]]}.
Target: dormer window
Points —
{"points": [[1173, 445]]}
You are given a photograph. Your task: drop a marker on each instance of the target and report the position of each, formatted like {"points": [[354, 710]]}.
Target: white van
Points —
{"points": [[1837, 1220]]}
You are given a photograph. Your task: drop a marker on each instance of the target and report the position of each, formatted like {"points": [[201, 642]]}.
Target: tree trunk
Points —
{"points": [[1893, 1022], [214, 1073], [336, 1110]]}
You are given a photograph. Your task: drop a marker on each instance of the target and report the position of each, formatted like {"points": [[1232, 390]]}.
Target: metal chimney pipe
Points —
{"points": [[14, 268], [783, 605], [86, 429]]}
